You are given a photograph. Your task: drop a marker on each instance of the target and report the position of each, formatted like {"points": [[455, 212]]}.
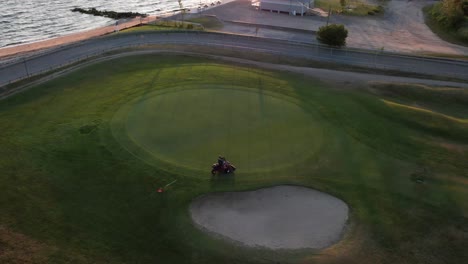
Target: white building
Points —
{"points": [[291, 7]]}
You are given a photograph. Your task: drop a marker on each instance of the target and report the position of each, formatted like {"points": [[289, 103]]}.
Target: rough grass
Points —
{"points": [[68, 184], [149, 28], [208, 22], [355, 7], [447, 100], [182, 24], [164, 25], [18, 248]]}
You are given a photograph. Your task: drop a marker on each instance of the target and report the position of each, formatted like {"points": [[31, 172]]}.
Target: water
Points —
{"points": [[24, 21]]}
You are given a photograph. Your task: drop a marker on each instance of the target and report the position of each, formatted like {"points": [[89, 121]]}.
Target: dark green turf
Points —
{"points": [[71, 179]]}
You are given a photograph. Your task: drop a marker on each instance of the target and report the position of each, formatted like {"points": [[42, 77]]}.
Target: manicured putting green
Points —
{"points": [[191, 126]]}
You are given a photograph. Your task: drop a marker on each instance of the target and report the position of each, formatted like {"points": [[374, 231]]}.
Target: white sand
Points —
{"points": [[281, 217]]}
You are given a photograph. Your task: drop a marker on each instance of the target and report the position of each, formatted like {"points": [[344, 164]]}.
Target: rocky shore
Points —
{"points": [[109, 14]]}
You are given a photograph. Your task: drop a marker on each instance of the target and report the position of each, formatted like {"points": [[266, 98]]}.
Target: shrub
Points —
{"points": [[334, 35], [465, 7], [448, 13], [378, 9], [463, 33], [343, 3]]}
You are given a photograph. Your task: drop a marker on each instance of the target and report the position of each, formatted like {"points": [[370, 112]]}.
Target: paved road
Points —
{"points": [[65, 55]]}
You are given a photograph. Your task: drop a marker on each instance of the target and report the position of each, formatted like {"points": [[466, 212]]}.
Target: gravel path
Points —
{"points": [[281, 217]]}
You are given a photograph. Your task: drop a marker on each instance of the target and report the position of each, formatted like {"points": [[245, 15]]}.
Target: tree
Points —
{"points": [[465, 7], [449, 13], [343, 4], [333, 34]]}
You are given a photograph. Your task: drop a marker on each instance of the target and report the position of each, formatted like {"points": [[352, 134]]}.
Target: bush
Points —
{"points": [[463, 33], [450, 28], [343, 3], [378, 9], [448, 13], [465, 7], [334, 35]]}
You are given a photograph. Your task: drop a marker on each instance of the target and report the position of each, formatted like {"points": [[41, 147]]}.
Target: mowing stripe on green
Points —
{"points": [[190, 126]]}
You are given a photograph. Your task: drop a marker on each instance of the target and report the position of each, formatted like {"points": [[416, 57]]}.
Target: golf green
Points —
{"points": [[190, 126]]}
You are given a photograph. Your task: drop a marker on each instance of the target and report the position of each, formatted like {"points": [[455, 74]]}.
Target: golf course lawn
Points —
{"points": [[83, 155]]}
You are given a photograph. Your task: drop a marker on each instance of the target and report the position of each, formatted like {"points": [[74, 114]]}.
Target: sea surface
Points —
{"points": [[25, 21]]}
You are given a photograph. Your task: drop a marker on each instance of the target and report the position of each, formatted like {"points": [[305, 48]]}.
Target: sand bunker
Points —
{"points": [[281, 217]]}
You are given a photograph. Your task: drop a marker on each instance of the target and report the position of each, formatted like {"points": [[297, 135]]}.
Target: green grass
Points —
{"points": [[164, 25], [357, 7], [326, 4], [397, 154], [208, 22], [218, 119], [149, 28], [446, 100]]}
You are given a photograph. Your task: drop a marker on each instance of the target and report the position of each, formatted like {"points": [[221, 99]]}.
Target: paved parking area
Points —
{"points": [[400, 29]]}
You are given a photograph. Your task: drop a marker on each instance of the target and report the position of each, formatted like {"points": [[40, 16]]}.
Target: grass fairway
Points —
{"points": [[83, 155]]}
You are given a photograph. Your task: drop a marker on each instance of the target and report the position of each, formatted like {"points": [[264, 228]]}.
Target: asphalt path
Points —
{"points": [[56, 58]]}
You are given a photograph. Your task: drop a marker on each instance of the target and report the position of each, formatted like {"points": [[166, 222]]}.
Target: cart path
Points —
{"points": [[342, 79]]}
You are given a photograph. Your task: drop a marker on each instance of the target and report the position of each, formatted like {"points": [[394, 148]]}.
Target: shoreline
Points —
{"points": [[10, 52]]}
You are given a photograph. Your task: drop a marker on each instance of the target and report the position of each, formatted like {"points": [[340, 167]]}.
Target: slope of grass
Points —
{"points": [[68, 184], [208, 22], [164, 26], [447, 100], [356, 7], [150, 28]]}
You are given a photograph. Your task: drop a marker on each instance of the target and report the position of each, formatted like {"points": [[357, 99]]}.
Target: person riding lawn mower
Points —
{"points": [[222, 166]]}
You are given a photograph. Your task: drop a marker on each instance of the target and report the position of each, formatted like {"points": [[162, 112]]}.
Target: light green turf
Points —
{"points": [[76, 183], [356, 7], [190, 126]]}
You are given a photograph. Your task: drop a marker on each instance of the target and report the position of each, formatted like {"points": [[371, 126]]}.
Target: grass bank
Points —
{"points": [[165, 25], [354, 7], [208, 22]]}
